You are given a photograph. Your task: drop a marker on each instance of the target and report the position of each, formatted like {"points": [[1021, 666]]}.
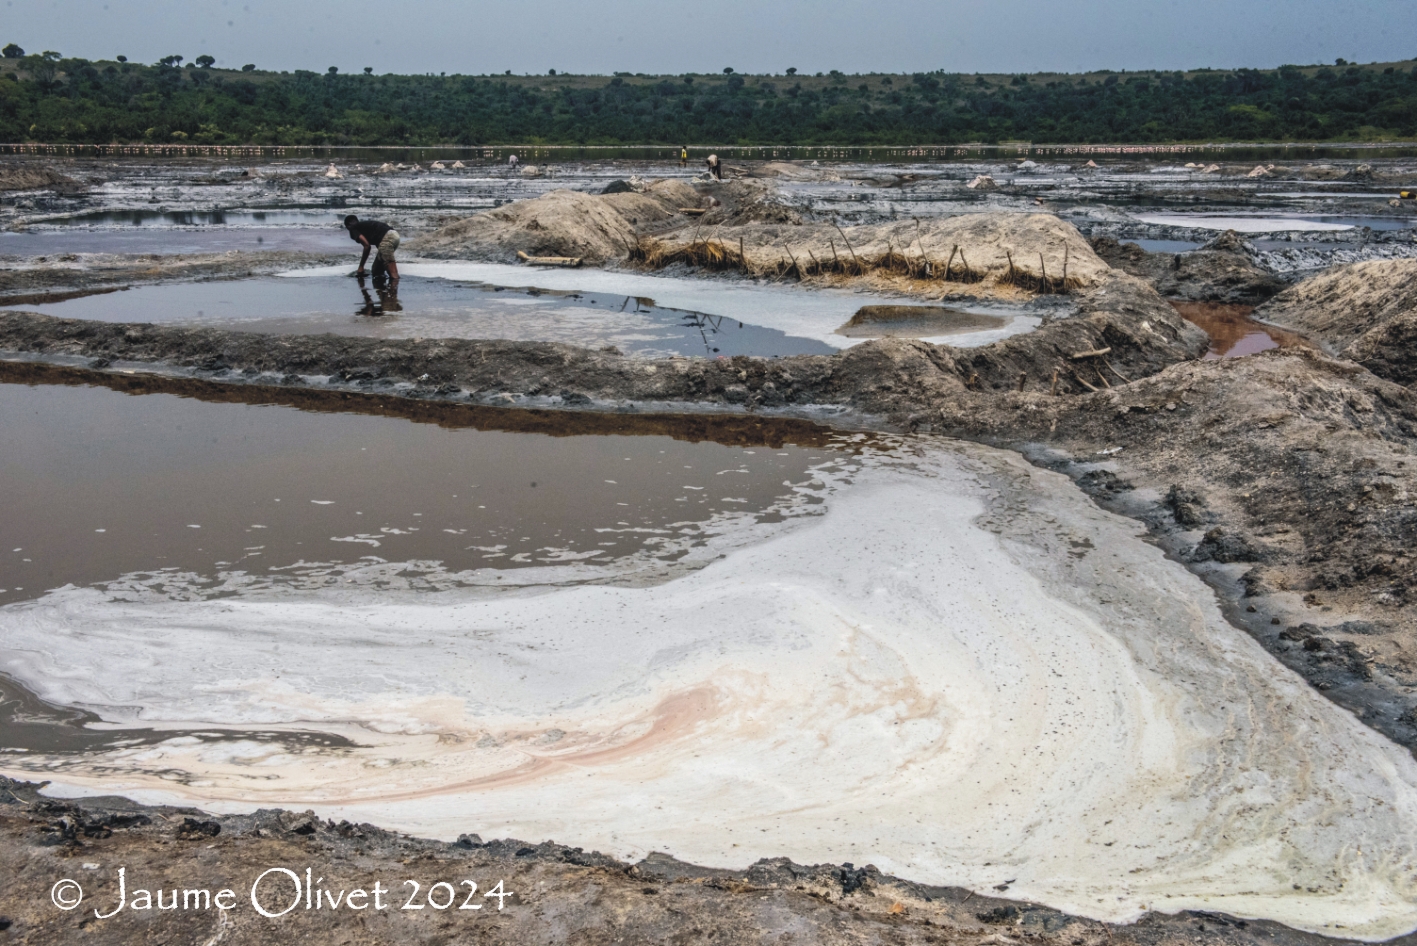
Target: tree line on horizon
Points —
{"points": [[52, 99]]}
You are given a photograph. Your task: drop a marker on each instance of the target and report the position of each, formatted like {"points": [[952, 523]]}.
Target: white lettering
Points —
{"points": [[122, 895], [255, 889]]}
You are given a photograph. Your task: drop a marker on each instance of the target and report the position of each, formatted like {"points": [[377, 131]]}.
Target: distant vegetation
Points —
{"points": [[49, 98]]}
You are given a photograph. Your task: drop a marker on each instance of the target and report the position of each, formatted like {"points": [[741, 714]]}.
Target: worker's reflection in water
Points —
{"points": [[384, 300]]}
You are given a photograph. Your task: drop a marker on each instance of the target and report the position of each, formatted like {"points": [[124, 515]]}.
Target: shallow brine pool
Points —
{"points": [[916, 653], [636, 314], [201, 490], [1260, 222]]}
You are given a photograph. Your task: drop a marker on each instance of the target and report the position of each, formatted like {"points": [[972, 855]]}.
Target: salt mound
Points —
{"points": [[26, 178], [594, 227], [988, 249]]}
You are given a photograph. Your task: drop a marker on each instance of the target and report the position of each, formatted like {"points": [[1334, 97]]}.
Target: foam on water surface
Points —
{"points": [[963, 672]]}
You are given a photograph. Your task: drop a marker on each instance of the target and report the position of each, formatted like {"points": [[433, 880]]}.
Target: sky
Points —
{"points": [[754, 36]]}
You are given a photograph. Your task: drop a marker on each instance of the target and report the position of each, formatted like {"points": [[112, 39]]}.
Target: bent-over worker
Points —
{"points": [[715, 166], [375, 235]]}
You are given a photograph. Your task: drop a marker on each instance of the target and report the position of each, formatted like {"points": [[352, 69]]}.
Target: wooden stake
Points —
{"points": [[1022, 377], [743, 256], [1084, 382], [1043, 266], [797, 269], [835, 259], [1011, 264], [1065, 267], [924, 260], [860, 270], [1116, 372], [950, 264], [1053, 388], [968, 276], [815, 265]]}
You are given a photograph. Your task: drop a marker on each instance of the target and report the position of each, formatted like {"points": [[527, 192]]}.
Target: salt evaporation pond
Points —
{"points": [[933, 657], [1261, 222], [101, 484], [637, 314], [166, 240]]}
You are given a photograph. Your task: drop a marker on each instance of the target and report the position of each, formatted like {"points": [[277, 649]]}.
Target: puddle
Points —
{"points": [[1233, 333], [915, 321], [176, 492], [1267, 223], [36, 242]]}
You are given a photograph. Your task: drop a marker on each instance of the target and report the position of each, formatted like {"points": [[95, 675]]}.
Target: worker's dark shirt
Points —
{"points": [[371, 230]]}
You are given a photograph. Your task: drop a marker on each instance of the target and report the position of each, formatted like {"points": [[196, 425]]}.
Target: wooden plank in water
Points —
{"points": [[566, 261]]}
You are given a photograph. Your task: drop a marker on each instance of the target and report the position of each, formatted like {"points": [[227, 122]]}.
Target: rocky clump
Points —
{"points": [[1224, 270]]}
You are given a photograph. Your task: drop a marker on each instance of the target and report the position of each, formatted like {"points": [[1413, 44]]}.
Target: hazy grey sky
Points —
{"points": [[673, 36]]}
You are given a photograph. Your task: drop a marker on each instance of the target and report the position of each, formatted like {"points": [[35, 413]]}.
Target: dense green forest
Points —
{"points": [[53, 99]]}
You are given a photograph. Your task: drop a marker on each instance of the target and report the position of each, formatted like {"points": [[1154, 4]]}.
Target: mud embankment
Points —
{"points": [[557, 894], [1123, 330], [77, 272], [1367, 312]]}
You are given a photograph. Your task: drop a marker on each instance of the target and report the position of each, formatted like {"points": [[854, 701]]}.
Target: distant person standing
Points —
{"points": [[684, 156], [375, 236], [715, 166]]}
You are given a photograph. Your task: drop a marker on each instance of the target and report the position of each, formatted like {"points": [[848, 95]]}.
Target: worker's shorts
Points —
{"points": [[388, 246]]}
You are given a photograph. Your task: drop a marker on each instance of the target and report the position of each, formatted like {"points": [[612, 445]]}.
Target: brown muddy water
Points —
{"points": [[159, 491], [1233, 332]]}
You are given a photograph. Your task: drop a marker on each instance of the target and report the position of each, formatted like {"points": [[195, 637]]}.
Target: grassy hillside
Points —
{"points": [[48, 98]]}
